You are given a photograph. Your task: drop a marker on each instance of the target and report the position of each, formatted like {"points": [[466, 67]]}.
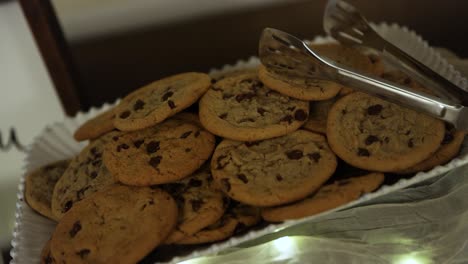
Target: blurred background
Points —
{"points": [[109, 48]]}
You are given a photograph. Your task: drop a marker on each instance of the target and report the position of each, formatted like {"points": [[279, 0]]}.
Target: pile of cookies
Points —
{"points": [[194, 159]]}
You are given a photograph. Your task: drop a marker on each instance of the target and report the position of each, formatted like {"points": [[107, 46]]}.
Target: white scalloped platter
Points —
{"points": [[56, 143]]}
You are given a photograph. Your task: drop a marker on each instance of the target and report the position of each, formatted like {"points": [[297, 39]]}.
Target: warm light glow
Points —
{"points": [[412, 259], [285, 246]]}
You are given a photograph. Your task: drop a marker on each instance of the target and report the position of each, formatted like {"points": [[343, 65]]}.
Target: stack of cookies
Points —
{"points": [[193, 159]]}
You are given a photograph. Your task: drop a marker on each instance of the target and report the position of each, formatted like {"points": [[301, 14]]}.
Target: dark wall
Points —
{"points": [[114, 65]]}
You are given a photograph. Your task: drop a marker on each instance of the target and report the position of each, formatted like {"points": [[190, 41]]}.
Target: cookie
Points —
{"points": [[46, 257], [237, 219], [327, 197], [309, 88], [96, 126], [159, 100], [40, 184], [120, 224], [199, 204], [273, 171], [448, 149], [160, 154], [376, 135], [242, 108], [318, 113], [85, 175], [217, 76]]}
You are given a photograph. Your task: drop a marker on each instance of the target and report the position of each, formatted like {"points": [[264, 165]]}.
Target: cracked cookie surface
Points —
{"points": [[85, 175], [164, 153], [121, 224], [242, 108], [200, 205], [274, 171], [159, 100], [376, 135], [40, 184], [327, 197]]}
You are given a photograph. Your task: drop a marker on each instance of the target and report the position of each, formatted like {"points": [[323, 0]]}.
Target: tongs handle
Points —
{"points": [[422, 73], [437, 107]]}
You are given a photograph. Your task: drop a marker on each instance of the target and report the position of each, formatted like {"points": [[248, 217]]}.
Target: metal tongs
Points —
{"points": [[346, 24], [282, 52]]}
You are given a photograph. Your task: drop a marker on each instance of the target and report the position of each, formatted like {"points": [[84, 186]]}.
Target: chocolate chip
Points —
{"points": [[171, 104], [139, 104], [294, 154], [188, 149], [223, 115], [48, 259], [227, 96], [167, 95], [386, 140], [287, 118], [374, 109], [343, 112], [151, 201], [448, 137], [242, 177], [314, 156], [80, 193], [124, 114], [154, 161], [213, 81], [143, 207], [93, 151], [195, 183], [122, 146], [363, 152], [279, 177], [115, 138], [226, 184], [138, 143], [93, 175], [83, 253], [371, 139], [186, 134], [75, 229], [197, 133], [218, 162], [96, 163], [196, 204], [291, 108], [410, 143], [300, 115], [407, 132], [244, 96], [152, 147], [67, 206], [261, 111]]}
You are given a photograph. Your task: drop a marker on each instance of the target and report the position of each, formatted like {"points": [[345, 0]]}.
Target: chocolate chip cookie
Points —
{"points": [[121, 224], [242, 108], [376, 135], [327, 197], [159, 100], [448, 149], [160, 154], [85, 175], [46, 256], [96, 126], [40, 184], [315, 89], [273, 171], [237, 219], [199, 204]]}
